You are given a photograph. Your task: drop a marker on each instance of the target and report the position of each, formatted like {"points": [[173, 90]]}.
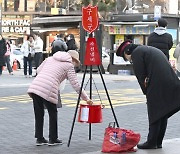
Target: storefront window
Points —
{"points": [[39, 5], [147, 6], [10, 5]]}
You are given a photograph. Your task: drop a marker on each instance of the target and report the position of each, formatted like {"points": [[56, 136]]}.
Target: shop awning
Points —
{"points": [[140, 24], [56, 19]]}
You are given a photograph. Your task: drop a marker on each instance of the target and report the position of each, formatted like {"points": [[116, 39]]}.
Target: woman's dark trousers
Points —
{"points": [[7, 60], [1, 68], [39, 103]]}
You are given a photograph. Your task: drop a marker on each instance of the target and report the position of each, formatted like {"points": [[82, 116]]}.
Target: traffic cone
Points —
{"points": [[3, 68], [15, 65]]}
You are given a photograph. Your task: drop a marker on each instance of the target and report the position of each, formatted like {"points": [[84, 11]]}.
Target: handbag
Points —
{"points": [[119, 139], [61, 88], [59, 104]]}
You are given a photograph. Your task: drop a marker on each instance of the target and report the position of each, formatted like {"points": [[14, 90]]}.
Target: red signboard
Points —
{"points": [[90, 19], [92, 56]]}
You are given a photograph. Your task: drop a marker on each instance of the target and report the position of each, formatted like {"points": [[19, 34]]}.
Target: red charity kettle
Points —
{"points": [[90, 113]]}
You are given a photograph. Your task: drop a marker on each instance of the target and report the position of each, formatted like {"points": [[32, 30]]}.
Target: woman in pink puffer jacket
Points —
{"points": [[44, 91]]}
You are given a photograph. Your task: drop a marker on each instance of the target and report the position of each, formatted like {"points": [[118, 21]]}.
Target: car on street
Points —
{"points": [[105, 60], [17, 55]]}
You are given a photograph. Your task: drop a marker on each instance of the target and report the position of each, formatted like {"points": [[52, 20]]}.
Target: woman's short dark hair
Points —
{"points": [[28, 37]]}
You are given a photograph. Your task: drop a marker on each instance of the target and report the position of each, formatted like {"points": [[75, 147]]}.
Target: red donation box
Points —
{"points": [[90, 113], [90, 19], [92, 56]]}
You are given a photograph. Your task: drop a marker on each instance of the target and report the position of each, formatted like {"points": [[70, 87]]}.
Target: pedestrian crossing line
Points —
{"points": [[114, 105], [15, 100], [119, 97], [123, 99], [16, 96], [3, 108], [106, 102], [121, 102], [11, 99], [124, 104]]}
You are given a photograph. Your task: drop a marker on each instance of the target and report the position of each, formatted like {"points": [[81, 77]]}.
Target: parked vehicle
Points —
{"points": [[17, 55], [105, 60]]}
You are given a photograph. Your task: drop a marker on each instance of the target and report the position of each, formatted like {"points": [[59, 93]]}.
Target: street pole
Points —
{"points": [[55, 3], [0, 16], [67, 5]]}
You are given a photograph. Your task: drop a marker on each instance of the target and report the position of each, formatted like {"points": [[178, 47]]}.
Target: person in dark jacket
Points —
{"points": [[3, 50], [58, 44], [71, 42], [159, 83], [160, 38]]}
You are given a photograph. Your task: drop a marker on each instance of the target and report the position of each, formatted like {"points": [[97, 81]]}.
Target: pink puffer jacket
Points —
{"points": [[51, 73]]}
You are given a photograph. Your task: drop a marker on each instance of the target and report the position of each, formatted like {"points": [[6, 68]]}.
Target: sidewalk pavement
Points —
{"points": [[11, 132], [170, 146]]}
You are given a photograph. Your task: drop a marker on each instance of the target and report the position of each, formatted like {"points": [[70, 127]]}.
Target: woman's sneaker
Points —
{"points": [[55, 142], [41, 141]]}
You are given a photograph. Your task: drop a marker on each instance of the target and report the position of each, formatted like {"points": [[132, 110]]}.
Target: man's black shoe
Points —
{"points": [[159, 146], [146, 145], [55, 142], [41, 141]]}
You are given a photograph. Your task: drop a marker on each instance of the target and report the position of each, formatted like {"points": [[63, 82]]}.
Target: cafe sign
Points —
{"points": [[16, 26]]}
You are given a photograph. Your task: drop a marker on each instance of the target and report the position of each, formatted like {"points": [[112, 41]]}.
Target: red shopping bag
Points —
{"points": [[119, 140]]}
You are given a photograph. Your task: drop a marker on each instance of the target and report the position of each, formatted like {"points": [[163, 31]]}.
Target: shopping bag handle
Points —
{"points": [[112, 124]]}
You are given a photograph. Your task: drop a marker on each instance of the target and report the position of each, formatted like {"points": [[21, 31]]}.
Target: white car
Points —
{"points": [[17, 55], [105, 60]]}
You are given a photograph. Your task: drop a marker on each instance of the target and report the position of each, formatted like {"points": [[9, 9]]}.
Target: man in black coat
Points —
{"points": [[58, 44], [159, 83], [3, 50], [160, 38]]}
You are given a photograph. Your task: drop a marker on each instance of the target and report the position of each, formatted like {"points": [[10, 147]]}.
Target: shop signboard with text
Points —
{"points": [[16, 26]]}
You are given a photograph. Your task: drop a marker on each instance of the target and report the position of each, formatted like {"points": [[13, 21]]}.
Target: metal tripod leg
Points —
{"points": [[77, 107], [90, 98], [108, 97]]}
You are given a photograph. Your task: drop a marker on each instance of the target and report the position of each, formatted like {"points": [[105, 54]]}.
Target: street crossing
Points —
{"points": [[119, 97]]}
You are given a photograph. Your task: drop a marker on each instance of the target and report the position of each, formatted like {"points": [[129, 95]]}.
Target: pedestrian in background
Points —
{"points": [[159, 83], [160, 38], [38, 49], [71, 43], [177, 56], [3, 50], [13, 45], [44, 91], [28, 53], [7, 57], [58, 44]]}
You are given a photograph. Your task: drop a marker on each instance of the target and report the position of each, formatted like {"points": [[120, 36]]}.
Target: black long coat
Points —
{"points": [[163, 42], [163, 88], [3, 50], [71, 44]]}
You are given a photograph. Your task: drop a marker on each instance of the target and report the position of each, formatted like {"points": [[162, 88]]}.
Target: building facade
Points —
{"points": [[17, 15]]}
